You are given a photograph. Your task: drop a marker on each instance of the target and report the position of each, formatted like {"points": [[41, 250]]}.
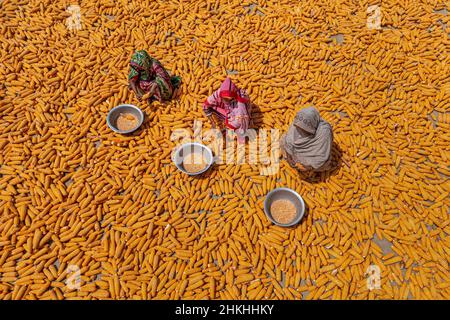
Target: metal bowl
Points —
{"points": [[188, 148], [288, 194], [113, 114]]}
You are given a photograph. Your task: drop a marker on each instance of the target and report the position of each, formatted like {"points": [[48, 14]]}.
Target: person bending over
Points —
{"points": [[148, 78], [229, 108], [307, 144]]}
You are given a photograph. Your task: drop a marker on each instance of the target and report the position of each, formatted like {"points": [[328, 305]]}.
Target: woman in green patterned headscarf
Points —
{"points": [[147, 76]]}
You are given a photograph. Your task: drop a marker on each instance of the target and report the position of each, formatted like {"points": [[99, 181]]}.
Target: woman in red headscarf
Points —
{"points": [[230, 108]]}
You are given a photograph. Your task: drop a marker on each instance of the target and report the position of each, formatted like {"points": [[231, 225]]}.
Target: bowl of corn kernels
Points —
{"points": [[125, 118], [284, 207], [193, 158]]}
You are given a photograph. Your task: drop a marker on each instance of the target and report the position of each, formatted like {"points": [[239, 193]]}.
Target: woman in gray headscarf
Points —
{"points": [[307, 143]]}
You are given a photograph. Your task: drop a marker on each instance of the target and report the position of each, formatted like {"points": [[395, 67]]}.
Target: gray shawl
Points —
{"points": [[312, 149]]}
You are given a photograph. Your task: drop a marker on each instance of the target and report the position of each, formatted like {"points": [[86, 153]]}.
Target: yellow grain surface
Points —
{"points": [[74, 193]]}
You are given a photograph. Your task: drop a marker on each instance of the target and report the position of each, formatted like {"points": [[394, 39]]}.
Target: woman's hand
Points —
{"points": [[213, 124], [289, 160], [300, 167], [145, 96]]}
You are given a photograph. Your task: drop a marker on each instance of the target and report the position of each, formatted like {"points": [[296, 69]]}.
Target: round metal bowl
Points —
{"points": [[288, 194], [188, 148], [113, 114]]}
